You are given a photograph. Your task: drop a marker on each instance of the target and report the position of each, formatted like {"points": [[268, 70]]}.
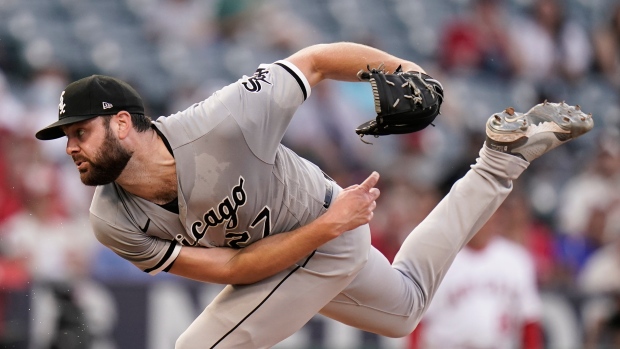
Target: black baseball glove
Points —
{"points": [[405, 102]]}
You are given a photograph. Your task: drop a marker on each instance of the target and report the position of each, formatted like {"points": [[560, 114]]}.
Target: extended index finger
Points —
{"points": [[371, 181]]}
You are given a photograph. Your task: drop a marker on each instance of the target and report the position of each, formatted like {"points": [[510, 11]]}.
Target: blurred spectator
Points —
{"points": [[11, 117], [468, 149], [323, 130], [606, 40], [551, 44], [589, 204], [401, 207], [186, 22], [488, 298], [479, 41], [53, 247], [523, 227], [588, 212], [262, 23], [56, 252], [11, 109], [599, 282], [14, 276], [231, 15], [42, 96], [10, 200]]}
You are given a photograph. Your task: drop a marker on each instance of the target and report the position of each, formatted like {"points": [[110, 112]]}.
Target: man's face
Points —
{"points": [[96, 151]]}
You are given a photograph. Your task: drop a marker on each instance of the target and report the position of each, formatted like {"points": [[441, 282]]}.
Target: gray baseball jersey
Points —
{"points": [[236, 182]]}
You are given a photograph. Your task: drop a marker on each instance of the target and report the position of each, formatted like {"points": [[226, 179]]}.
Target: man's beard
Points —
{"points": [[108, 164]]}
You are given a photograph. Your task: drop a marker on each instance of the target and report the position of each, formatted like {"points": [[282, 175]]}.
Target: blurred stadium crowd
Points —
{"points": [[489, 54]]}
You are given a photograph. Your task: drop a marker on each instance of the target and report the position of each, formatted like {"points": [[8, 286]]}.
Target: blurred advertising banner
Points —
{"points": [[119, 315]]}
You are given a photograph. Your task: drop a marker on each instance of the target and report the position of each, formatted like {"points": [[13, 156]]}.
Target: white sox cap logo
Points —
{"points": [[107, 105], [62, 105]]}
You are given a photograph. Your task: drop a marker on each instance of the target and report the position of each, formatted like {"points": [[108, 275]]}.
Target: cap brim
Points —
{"points": [[54, 130]]}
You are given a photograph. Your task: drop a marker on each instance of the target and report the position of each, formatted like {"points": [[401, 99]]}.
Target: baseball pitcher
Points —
{"points": [[210, 194]]}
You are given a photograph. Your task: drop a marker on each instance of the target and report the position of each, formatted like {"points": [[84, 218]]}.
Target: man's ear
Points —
{"points": [[123, 124]]}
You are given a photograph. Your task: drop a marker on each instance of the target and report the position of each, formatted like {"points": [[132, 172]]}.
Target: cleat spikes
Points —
{"points": [[497, 119], [532, 134]]}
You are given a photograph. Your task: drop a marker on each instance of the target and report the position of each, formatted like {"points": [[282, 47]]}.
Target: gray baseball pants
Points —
{"points": [[350, 281]]}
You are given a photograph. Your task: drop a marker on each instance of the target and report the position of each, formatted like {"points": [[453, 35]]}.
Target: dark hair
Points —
{"points": [[141, 122]]}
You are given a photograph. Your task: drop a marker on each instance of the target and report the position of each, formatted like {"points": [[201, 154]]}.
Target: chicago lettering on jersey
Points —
{"points": [[226, 211]]}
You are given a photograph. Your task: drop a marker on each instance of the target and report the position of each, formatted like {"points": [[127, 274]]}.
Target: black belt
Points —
{"points": [[329, 191]]}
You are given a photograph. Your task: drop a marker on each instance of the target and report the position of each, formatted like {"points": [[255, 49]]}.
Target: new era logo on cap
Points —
{"points": [[107, 105]]}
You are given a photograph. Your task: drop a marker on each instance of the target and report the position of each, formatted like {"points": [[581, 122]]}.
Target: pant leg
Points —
{"points": [[263, 314], [391, 299]]}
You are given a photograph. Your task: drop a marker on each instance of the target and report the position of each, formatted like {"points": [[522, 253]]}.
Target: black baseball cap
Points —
{"points": [[90, 97]]}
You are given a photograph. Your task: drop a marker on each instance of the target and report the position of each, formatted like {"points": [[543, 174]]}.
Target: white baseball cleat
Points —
{"points": [[542, 128]]}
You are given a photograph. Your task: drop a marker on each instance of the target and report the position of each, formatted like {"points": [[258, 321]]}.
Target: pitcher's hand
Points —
{"points": [[353, 206]]}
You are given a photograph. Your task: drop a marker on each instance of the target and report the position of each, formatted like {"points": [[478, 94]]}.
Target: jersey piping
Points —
{"points": [[298, 75], [263, 301], [165, 259], [297, 78], [172, 206], [163, 138]]}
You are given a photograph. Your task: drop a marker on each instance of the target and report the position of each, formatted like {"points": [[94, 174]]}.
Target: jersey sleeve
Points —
{"points": [[149, 253], [263, 104]]}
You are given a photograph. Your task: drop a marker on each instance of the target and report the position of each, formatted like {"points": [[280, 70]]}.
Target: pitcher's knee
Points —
{"points": [[346, 255], [399, 330]]}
